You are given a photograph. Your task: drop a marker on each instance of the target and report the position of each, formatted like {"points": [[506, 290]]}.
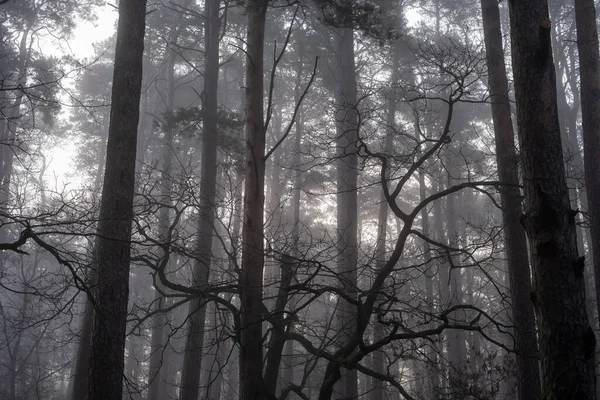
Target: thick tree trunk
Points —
{"points": [[347, 201], [116, 208], [589, 69], [79, 385], [567, 342], [527, 370], [192, 358], [251, 279]]}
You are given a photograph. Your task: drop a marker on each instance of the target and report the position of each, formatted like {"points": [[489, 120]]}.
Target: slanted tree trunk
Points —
{"points": [[192, 358], [251, 279], [116, 208], [567, 342], [527, 371]]}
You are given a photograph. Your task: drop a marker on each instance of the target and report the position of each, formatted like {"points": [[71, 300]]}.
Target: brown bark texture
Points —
{"points": [[523, 314], [116, 208], [566, 340]]}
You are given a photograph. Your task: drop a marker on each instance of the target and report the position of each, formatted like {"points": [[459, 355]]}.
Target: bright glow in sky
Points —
{"points": [[81, 45], [88, 33]]}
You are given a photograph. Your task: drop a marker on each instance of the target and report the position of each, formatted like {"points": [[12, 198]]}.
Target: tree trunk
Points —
{"points": [[456, 337], [589, 68], [444, 274], [192, 358], [79, 388], [116, 208], [287, 373], [567, 342], [376, 392], [347, 206], [527, 371], [156, 376], [432, 352], [251, 363], [277, 342]]}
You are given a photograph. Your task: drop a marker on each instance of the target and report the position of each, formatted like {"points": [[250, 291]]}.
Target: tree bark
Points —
{"points": [[527, 371], [347, 196], [456, 337], [251, 362], [116, 208], [192, 359], [567, 342], [589, 68]]}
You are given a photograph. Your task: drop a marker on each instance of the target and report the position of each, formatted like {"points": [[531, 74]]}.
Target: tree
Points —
{"points": [[208, 181], [567, 342], [589, 70], [251, 363], [116, 209], [514, 235], [347, 127]]}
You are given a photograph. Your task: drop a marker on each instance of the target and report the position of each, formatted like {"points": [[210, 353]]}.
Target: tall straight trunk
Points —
{"points": [[251, 279], [589, 68], [132, 367], [347, 201], [567, 342], [192, 357], [527, 366], [432, 352], [79, 381], [287, 374], [156, 372], [456, 337], [444, 271], [116, 208], [8, 126], [212, 363]]}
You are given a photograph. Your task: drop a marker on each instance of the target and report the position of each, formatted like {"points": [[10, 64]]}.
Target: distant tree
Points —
{"points": [[116, 210], [192, 361], [567, 343]]}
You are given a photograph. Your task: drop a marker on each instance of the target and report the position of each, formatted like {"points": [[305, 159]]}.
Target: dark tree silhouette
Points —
{"points": [[116, 210]]}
